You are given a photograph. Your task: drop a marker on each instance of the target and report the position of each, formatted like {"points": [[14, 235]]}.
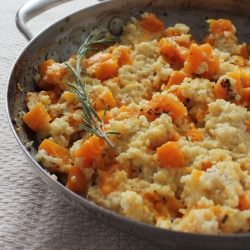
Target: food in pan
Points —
{"points": [[154, 126]]}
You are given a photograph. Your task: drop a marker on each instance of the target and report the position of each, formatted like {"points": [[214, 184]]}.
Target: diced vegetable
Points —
{"points": [[41, 83], [96, 102], [206, 165], [178, 93], [171, 31], [108, 116], [54, 72], [109, 99], [44, 66], [100, 102], [37, 117], [176, 78], [52, 95], [130, 112], [245, 97], [104, 66], [54, 114], [172, 52], [244, 200], [244, 52], [196, 174], [90, 150], [170, 155], [200, 116], [164, 104], [124, 55], [56, 151], [69, 96], [237, 78], [76, 180], [223, 89], [245, 79], [107, 183], [200, 61], [175, 35], [152, 24], [174, 206], [220, 26], [194, 134]]}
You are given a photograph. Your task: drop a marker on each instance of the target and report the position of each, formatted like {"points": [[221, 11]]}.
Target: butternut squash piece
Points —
{"points": [[245, 79], [54, 114], [176, 34], [171, 31], [108, 116], [52, 95], [224, 90], [37, 117], [244, 200], [194, 134], [220, 26], [109, 99], [245, 97], [104, 66], [176, 78], [96, 102], [206, 165], [56, 151], [69, 96], [99, 103], [163, 206], [178, 93], [200, 116], [201, 61], [196, 174], [124, 57], [172, 52], [130, 112], [107, 185], [54, 74], [164, 104], [170, 155], [107, 182], [237, 78], [244, 52], [174, 206], [152, 24], [43, 66], [76, 180], [90, 150]]}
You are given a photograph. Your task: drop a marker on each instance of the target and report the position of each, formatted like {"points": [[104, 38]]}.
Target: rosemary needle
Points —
{"points": [[92, 122]]}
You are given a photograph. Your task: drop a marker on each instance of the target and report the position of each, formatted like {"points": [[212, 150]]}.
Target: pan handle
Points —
{"points": [[31, 9]]}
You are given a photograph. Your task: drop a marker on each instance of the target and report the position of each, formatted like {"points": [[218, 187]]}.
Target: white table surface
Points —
{"points": [[31, 215]]}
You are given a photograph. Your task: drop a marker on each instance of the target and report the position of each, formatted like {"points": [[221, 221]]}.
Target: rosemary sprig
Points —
{"points": [[92, 122]]}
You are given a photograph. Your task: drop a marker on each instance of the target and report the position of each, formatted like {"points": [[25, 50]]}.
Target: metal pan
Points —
{"points": [[63, 38]]}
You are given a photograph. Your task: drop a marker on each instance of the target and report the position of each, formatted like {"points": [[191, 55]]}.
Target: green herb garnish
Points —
{"points": [[92, 122]]}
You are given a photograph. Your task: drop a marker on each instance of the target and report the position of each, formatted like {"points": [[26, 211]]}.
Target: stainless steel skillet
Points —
{"points": [[63, 39]]}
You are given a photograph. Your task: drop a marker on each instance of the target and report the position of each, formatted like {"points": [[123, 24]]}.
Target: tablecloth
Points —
{"points": [[31, 215]]}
